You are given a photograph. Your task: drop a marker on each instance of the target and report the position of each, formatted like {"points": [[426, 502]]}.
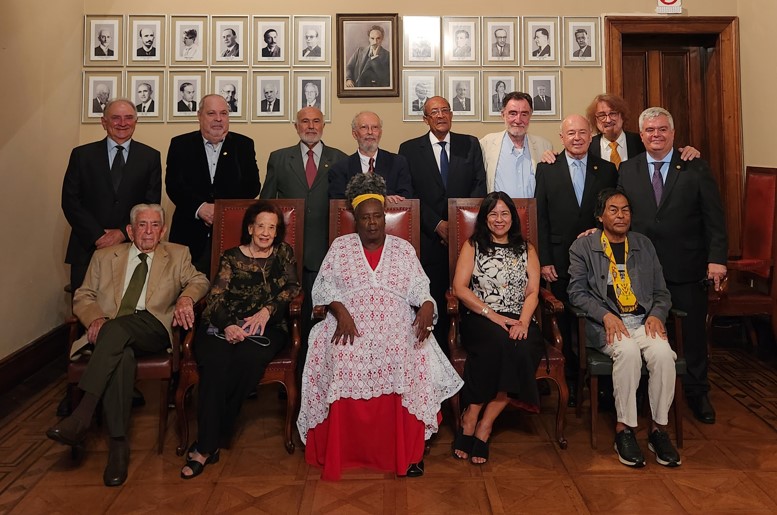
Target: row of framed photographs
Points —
{"points": [[198, 40], [476, 95], [272, 95]]}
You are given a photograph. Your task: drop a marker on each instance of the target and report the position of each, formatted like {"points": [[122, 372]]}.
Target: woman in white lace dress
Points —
{"points": [[374, 375]]}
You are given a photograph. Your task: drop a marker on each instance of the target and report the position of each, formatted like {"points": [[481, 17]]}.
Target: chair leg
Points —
{"points": [[557, 376], [292, 399], [678, 410], [456, 411], [751, 334], [593, 395], [182, 422], [163, 409], [580, 386]]}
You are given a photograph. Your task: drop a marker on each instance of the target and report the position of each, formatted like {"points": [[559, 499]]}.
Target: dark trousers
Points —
{"points": [[439, 282], [692, 298], [308, 278], [565, 321], [77, 274], [111, 371]]}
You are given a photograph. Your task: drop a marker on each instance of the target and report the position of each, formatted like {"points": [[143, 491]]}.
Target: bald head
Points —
{"points": [[576, 135]]}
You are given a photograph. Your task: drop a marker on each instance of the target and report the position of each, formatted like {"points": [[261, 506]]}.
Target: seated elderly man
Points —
{"points": [[158, 286], [616, 278]]}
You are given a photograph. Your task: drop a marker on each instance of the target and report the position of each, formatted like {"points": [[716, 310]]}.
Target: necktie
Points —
{"points": [[130, 300], [371, 169], [578, 180], [117, 167], [658, 181], [310, 168], [444, 164], [615, 157]]}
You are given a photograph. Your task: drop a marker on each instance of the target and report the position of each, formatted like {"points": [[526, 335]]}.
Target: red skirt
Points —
{"points": [[378, 433]]}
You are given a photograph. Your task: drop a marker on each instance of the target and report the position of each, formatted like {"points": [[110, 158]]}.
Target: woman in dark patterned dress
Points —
{"points": [[498, 280], [242, 329]]}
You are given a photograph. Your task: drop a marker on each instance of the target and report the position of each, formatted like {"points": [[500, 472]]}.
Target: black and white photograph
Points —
{"points": [[312, 37], [541, 46], [232, 86], [99, 88], [146, 41], [186, 89], [367, 55], [497, 84], [421, 41], [582, 42], [462, 90], [419, 86], [189, 40], [311, 89], [103, 39], [271, 96], [146, 90], [461, 38], [500, 38], [546, 94], [230, 40], [271, 34]]}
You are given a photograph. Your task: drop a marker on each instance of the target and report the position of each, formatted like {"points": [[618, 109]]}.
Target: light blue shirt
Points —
{"points": [[664, 167], [571, 159], [571, 164], [112, 150], [514, 171]]}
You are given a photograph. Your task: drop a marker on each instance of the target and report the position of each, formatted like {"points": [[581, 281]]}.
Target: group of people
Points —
{"points": [[375, 371]]}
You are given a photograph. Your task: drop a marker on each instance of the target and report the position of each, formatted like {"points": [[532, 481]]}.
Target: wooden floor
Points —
{"points": [[729, 467]]}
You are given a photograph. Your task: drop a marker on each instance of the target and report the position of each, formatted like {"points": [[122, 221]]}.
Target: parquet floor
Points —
{"points": [[729, 467]]}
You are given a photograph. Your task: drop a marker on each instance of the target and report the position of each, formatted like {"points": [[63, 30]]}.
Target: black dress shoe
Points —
{"points": [[702, 408], [69, 431], [628, 450], [63, 408], [118, 463], [416, 469]]}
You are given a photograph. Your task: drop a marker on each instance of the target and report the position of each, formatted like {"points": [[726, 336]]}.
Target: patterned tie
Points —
{"points": [[117, 167], [615, 157], [130, 300], [371, 169], [444, 164], [658, 181], [310, 168], [578, 180]]}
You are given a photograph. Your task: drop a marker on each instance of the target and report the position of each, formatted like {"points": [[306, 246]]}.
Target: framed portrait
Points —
{"points": [[271, 96], [99, 87], [232, 85], [460, 38], [186, 89], [419, 86], [500, 41], [230, 40], [312, 41], [544, 87], [496, 84], [462, 90], [188, 40], [146, 89], [541, 46], [311, 88], [146, 38], [367, 55], [271, 34], [103, 38], [582, 36], [420, 41]]}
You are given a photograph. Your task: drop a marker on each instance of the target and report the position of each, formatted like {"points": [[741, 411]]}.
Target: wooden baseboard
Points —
{"points": [[18, 366]]}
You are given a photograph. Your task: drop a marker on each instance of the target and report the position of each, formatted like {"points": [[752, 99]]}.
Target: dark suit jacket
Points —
{"points": [[96, 107], [286, 179], [634, 145], [314, 52], [141, 52], [151, 108], [183, 108], [542, 52], [418, 105], [89, 202], [275, 107], [390, 166], [688, 227], [461, 105], [585, 52], [366, 72], [188, 183], [466, 178], [99, 52], [559, 218], [540, 105], [234, 52], [276, 52]]}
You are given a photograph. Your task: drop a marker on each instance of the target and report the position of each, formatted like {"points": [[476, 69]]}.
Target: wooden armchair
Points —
{"points": [[462, 213], [283, 369]]}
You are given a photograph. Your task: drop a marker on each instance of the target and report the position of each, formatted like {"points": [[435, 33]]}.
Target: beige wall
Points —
{"points": [[42, 107]]}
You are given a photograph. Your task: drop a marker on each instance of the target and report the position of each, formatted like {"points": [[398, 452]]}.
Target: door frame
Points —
{"points": [[727, 101]]}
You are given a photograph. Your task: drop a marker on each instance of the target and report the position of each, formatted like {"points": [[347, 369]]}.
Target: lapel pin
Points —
{"points": [[596, 167], [224, 154], [678, 166]]}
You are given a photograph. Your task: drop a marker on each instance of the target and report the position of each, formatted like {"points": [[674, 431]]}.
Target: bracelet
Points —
{"points": [[485, 311]]}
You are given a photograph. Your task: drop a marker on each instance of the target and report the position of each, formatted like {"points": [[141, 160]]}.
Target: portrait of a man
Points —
{"points": [[230, 47], [271, 47], [190, 48], [583, 44], [144, 96], [187, 103], [542, 48], [229, 92], [463, 44], [311, 94], [422, 95], [271, 103], [147, 38], [102, 93], [462, 100], [421, 48], [541, 100], [311, 48], [104, 38], [370, 66]]}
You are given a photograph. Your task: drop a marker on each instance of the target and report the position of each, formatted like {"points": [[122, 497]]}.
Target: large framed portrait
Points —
{"points": [[460, 38], [271, 96], [419, 86], [146, 38], [500, 41], [582, 36], [544, 87], [186, 89], [146, 89], [271, 34], [99, 87], [230, 40], [311, 88], [189, 40], [420, 41], [462, 90], [497, 84], [232, 85], [103, 38], [367, 55], [542, 46], [313, 41]]}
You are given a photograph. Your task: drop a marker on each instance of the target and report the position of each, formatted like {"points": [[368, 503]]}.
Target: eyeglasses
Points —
{"points": [[613, 115], [439, 111]]}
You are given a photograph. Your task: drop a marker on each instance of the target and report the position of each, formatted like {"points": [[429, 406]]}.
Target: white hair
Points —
{"points": [[143, 207], [651, 113]]}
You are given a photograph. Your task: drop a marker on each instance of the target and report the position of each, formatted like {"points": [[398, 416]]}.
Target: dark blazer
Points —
{"points": [[188, 183], [366, 72], [286, 179], [96, 107], [542, 52], [183, 108], [418, 105], [275, 107], [276, 52], [559, 218], [151, 108], [99, 52], [466, 178], [141, 52], [89, 202], [314, 52], [542, 105], [582, 52], [390, 166], [688, 227], [461, 105], [634, 145]]}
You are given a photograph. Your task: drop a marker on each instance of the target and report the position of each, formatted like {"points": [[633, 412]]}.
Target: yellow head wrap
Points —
{"points": [[366, 196]]}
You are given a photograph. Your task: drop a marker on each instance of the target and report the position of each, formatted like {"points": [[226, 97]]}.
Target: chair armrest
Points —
{"points": [[579, 313], [581, 339], [748, 265], [187, 353], [452, 308], [676, 316], [295, 325], [451, 303], [550, 304]]}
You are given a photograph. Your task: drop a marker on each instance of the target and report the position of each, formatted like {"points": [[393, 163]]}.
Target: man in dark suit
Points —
{"points": [[461, 102], [121, 320], [102, 94], [566, 196], [421, 97], [542, 41], [436, 178], [187, 102], [311, 96], [312, 49], [203, 166], [229, 92], [677, 205], [145, 93], [231, 46], [104, 38], [147, 48], [272, 49], [542, 100], [369, 66], [270, 103], [584, 49], [367, 129]]}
